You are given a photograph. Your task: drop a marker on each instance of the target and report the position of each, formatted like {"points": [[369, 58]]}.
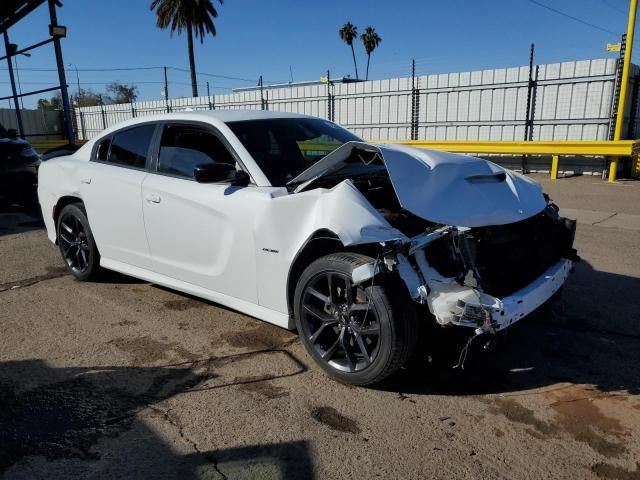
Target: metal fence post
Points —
{"points": [[84, 132], [527, 120], [615, 100], [261, 93], [104, 117], [415, 101], [329, 109], [633, 114], [534, 94]]}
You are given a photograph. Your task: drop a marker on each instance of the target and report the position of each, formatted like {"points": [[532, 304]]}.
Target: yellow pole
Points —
{"points": [[633, 5], [554, 167]]}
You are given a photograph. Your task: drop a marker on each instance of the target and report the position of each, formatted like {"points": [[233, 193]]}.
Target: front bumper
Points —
{"points": [[496, 314]]}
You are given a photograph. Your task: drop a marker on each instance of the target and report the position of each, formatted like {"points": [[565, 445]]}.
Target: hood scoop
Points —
{"points": [[492, 178], [460, 190]]}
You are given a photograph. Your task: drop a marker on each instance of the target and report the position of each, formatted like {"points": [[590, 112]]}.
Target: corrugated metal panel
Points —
{"points": [[573, 102]]}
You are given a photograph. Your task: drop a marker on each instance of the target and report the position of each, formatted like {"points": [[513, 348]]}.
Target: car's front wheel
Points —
{"points": [[356, 333], [75, 240]]}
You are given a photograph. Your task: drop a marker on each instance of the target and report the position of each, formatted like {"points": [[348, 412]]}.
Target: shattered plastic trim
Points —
{"points": [[465, 305]]}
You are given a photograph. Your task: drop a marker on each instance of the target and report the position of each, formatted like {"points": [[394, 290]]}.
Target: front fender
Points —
{"points": [[289, 221]]}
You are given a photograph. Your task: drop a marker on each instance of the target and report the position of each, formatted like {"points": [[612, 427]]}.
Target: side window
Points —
{"points": [[129, 147], [102, 152], [183, 148]]}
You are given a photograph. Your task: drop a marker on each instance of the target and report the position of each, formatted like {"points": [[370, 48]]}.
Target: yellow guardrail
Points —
{"points": [[42, 146], [555, 148]]}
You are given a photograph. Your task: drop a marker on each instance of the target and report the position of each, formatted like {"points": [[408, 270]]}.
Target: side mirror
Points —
{"points": [[13, 133], [220, 173]]}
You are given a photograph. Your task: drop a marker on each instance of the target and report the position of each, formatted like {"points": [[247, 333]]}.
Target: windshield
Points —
{"points": [[285, 147]]}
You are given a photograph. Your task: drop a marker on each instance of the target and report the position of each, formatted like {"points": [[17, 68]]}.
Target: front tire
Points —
{"points": [[76, 243], [354, 332]]}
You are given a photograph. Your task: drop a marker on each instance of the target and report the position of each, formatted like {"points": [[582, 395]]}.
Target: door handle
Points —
{"points": [[86, 180], [153, 198]]}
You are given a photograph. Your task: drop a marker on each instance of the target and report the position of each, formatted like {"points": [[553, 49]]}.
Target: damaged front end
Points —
{"points": [[485, 278], [482, 246]]}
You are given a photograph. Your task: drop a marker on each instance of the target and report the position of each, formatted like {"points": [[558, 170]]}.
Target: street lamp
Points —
{"points": [[13, 49]]}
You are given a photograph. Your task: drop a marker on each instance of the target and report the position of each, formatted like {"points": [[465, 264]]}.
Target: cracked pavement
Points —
{"points": [[124, 379]]}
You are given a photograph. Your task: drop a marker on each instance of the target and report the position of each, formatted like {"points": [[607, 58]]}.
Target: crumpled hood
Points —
{"points": [[460, 190], [443, 187]]}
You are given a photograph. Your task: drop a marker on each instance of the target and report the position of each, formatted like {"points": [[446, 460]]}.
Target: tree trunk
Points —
{"points": [[354, 60], [192, 62], [368, 59]]}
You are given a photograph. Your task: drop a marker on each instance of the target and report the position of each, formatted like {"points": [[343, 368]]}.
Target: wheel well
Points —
{"points": [[63, 202], [321, 243]]}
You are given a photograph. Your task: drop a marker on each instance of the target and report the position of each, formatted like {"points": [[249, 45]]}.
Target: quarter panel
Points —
{"points": [[57, 178]]}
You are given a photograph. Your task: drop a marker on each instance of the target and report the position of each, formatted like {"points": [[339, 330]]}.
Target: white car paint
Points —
{"points": [[444, 187], [236, 245]]}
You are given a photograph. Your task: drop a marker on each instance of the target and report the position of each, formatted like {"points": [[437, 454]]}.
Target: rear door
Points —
{"points": [[200, 233], [111, 185]]}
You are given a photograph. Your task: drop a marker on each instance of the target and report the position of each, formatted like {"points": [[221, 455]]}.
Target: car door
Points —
{"points": [[110, 185], [200, 233]]}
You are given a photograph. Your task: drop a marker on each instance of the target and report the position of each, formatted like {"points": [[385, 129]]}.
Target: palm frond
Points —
{"points": [[176, 15]]}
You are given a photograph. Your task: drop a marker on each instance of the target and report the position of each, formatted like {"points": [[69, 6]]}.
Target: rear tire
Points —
{"points": [[355, 333], [76, 243]]}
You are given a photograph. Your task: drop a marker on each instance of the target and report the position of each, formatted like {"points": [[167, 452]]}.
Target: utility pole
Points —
{"points": [[261, 93], [61, 75], [208, 90], [18, 78], [622, 103], [166, 88], [10, 52], [77, 78]]}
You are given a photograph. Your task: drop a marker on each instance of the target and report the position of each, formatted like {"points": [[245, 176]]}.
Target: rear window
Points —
{"points": [[129, 147], [102, 152]]}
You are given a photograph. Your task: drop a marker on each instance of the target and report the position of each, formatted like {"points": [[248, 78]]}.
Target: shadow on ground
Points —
{"points": [[60, 416], [590, 335], [19, 217]]}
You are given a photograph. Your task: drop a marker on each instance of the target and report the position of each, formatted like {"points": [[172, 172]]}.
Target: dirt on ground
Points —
{"points": [[123, 379]]}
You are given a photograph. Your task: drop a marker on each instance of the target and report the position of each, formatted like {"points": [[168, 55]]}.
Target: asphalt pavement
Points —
{"points": [[123, 379]]}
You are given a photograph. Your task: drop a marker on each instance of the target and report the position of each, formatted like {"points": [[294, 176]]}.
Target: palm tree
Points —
{"points": [[194, 16], [370, 40], [348, 33]]}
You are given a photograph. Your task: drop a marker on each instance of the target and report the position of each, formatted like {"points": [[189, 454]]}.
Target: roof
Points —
{"points": [[216, 117], [12, 11], [239, 115]]}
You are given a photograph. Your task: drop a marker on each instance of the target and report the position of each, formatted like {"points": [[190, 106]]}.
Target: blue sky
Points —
{"points": [[266, 38]]}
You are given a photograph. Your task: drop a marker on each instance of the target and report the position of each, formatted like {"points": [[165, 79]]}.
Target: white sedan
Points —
{"points": [[296, 221]]}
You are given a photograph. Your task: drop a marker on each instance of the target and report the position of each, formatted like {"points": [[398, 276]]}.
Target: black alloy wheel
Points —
{"points": [[76, 243], [352, 331]]}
